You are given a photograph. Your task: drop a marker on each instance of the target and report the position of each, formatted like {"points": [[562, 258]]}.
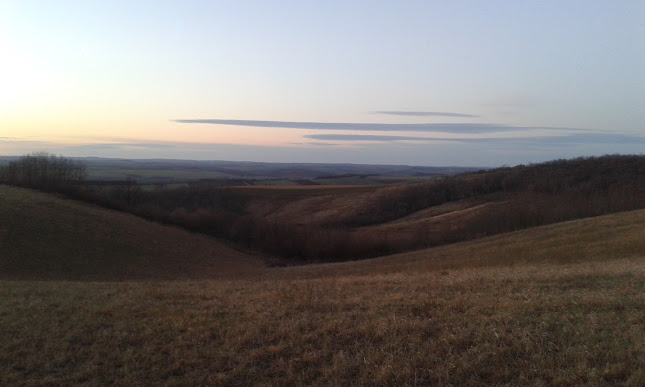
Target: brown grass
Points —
{"points": [[310, 205], [549, 325], [45, 237], [421, 227], [556, 305], [318, 206]]}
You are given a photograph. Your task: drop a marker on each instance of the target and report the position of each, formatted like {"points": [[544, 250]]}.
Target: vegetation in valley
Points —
{"points": [[331, 223]]}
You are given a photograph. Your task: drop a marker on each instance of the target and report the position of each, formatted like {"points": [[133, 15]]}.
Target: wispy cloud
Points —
{"points": [[555, 141], [424, 114], [363, 137], [315, 143], [591, 138], [456, 128]]}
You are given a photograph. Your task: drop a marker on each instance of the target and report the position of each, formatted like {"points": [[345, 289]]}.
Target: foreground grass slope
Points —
{"points": [[556, 305], [45, 237]]}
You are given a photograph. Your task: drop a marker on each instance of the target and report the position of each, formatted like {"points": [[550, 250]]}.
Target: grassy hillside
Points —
{"points": [[562, 304], [350, 224], [45, 237], [600, 182], [599, 239]]}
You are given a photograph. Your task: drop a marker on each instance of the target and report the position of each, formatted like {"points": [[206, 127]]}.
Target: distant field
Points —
{"points": [[263, 191], [182, 171], [174, 175], [103, 173], [562, 304], [376, 180]]}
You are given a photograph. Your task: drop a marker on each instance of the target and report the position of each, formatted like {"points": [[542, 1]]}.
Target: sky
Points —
{"points": [[466, 83]]}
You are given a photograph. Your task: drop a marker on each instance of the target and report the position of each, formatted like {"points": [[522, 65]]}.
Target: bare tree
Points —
{"points": [[43, 171]]}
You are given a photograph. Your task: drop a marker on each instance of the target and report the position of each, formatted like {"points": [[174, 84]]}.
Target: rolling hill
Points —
{"points": [[598, 240], [45, 237]]}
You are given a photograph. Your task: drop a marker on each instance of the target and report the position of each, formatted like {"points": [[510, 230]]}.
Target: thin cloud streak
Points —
{"points": [[456, 128], [565, 140], [424, 114], [314, 143], [364, 137]]}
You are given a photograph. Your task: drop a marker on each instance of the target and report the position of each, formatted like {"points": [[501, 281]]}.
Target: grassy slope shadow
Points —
{"points": [[45, 237]]}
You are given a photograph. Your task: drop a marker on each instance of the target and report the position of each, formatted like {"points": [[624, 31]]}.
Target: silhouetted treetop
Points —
{"points": [[43, 171]]}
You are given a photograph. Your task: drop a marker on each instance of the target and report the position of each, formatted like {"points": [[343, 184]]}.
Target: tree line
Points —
{"points": [[43, 171]]}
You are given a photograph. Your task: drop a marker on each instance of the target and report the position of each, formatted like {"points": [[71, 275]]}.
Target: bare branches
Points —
{"points": [[43, 171]]}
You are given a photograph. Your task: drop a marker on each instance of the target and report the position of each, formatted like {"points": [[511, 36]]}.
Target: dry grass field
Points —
{"points": [[532, 325], [562, 304]]}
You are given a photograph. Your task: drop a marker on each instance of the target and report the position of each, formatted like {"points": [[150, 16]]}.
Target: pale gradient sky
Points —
{"points": [[300, 81]]}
